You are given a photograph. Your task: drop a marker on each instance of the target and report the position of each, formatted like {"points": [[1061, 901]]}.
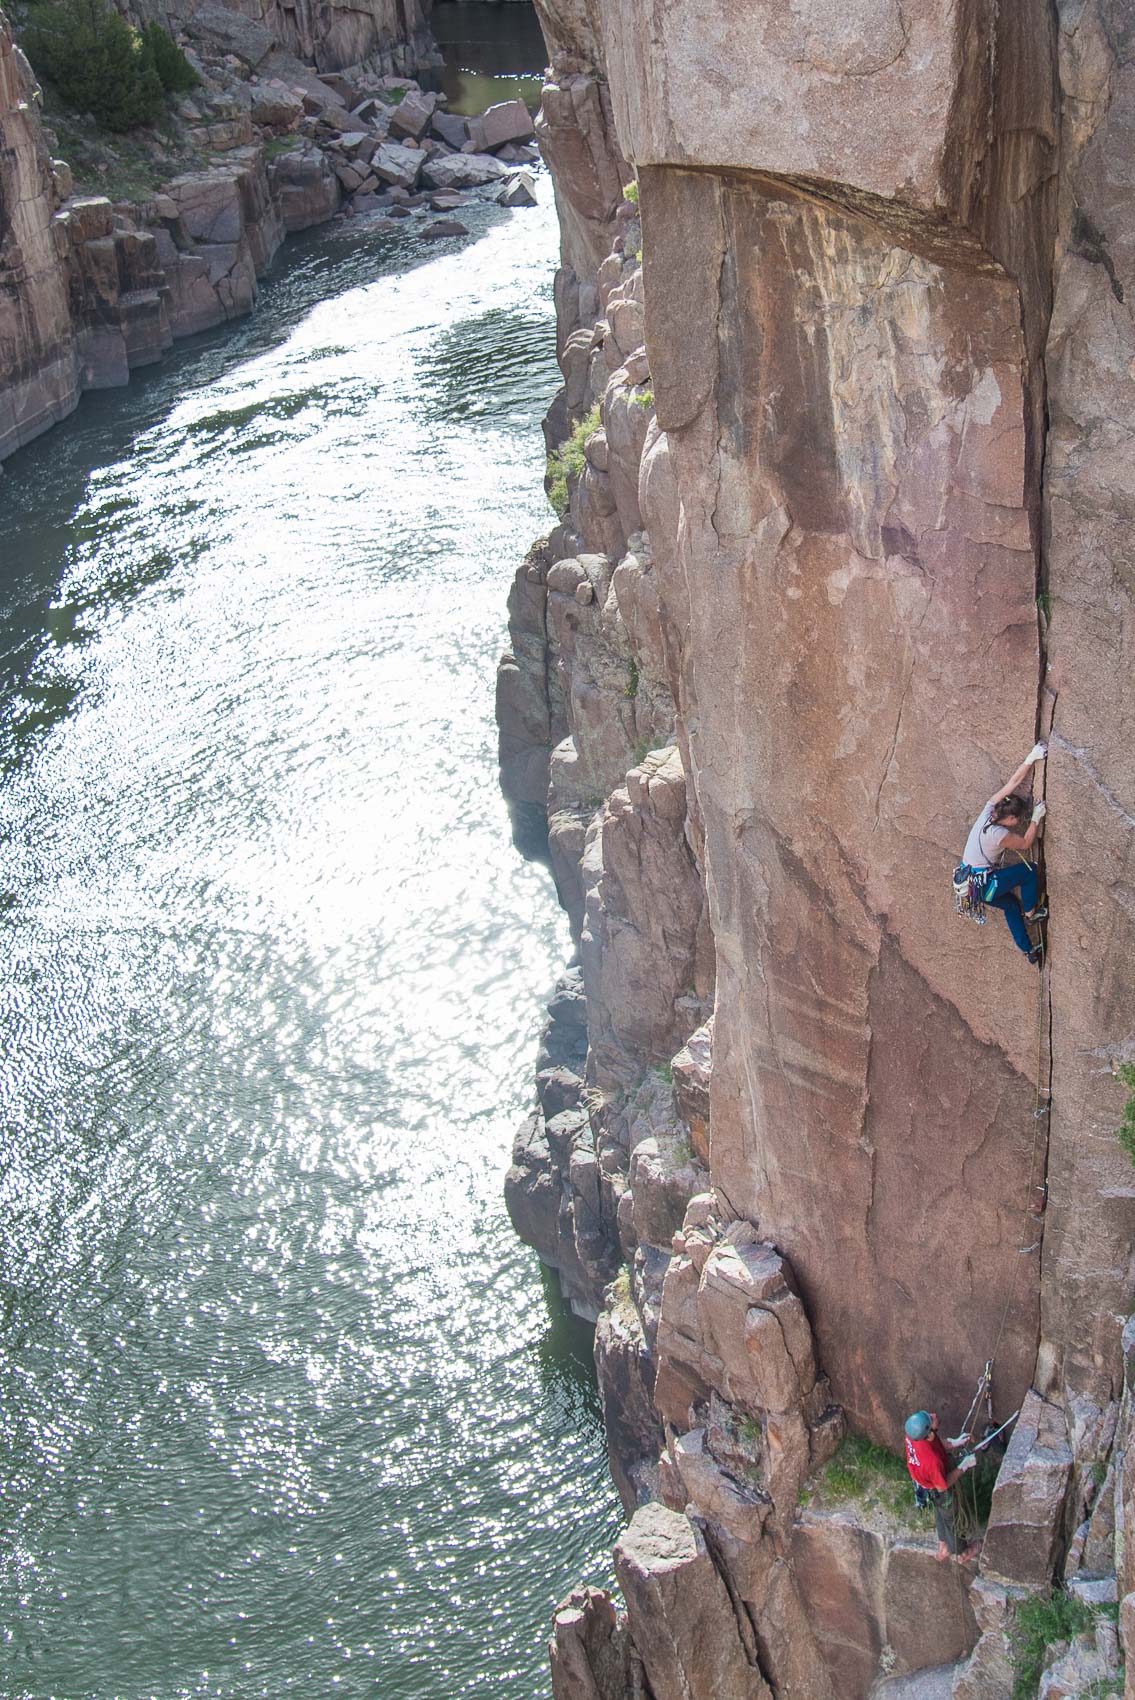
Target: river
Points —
{"points": [[285, 1408]]}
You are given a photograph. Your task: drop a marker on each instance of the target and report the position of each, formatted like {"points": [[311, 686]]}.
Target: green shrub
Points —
{"points": [[631, 687], [96, 61], [1126, 1134], [1037, 1624], [176, 74], [630, 193], [644, 398], [567, 462]]}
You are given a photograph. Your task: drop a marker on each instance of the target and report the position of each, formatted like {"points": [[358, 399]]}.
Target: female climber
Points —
{"points": [[1013, 889]]}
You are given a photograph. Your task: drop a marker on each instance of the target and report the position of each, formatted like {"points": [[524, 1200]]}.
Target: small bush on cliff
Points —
{"points": [[96, 61], [1126, 1134], [176, 74], [567, 462], [1037, 1624]]}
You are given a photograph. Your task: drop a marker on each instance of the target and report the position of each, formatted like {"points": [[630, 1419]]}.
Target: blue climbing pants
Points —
{"points": [[1014, 890]]}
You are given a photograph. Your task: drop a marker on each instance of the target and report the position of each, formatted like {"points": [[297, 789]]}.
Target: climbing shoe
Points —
{"points": [[1036, 954], [1038, 914]]}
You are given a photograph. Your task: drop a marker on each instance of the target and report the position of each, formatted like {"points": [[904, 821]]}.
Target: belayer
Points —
{"points": [[1015, 888], [934, 1476]]}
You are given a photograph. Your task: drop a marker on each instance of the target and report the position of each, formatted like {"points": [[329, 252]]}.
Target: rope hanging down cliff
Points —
{"points": [[1034, 1196]]}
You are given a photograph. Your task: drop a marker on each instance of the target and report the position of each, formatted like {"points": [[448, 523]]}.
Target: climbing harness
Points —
{"points": [[974, 887]]}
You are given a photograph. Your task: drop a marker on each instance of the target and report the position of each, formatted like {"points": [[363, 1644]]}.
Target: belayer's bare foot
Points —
{"points": [[969, 1555], [943, 1552]]}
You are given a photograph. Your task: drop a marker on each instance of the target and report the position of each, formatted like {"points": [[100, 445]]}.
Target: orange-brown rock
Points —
{"points": [[869, 546], [1089, 583], [885, 493]]}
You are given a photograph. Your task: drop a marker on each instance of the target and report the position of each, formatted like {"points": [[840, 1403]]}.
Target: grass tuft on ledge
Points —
{"points": [[865, 1478]]}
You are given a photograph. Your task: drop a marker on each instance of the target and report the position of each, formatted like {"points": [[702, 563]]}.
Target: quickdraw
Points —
{"points": [[970, 886]]}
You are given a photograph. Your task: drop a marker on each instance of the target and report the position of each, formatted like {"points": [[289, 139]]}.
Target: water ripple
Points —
{"points": [[284, 1408]]}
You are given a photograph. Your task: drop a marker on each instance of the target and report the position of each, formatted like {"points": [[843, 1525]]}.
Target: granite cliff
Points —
{"points": [[272, 140], [848, 397]]}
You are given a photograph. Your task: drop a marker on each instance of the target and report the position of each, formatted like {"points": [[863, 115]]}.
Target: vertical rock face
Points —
{"points": [[90, 290], [1089, 587], [391, 35], [882, 512], [847, 432], [38, 371]]}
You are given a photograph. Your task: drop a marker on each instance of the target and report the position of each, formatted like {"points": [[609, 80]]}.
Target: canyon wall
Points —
{"points": [[36, 339], [845, 535], [94, 286], [385, 35]]}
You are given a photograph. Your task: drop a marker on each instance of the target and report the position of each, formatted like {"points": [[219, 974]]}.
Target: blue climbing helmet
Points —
{"points": [[919, 1425]]}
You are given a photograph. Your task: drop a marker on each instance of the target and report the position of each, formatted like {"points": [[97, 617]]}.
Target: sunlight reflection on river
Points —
{"points": [[284, 1408]]}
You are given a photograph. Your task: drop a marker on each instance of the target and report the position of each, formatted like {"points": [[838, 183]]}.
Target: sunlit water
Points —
{"points": [[285, 1408]]}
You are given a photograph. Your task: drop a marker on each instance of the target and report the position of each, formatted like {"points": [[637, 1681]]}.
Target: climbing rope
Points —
{"points": [[1041, 1107]]}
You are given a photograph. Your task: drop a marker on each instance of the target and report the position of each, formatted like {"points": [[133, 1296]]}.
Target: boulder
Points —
{"points": [[371, 111], [509, 121], [413, 114], [275, 106], [449, 128], [304, 187], [1075, 1672], [442, 227], [341, 87], [396, 165], [357, 144], [462, 170], [519, 190]]}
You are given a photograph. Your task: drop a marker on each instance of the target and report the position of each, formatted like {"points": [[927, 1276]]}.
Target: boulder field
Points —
{"points": [[92, 286], [842, 464]]}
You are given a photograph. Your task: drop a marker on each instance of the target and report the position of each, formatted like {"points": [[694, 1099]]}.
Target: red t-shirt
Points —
{"points": [[928, 1462]]}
